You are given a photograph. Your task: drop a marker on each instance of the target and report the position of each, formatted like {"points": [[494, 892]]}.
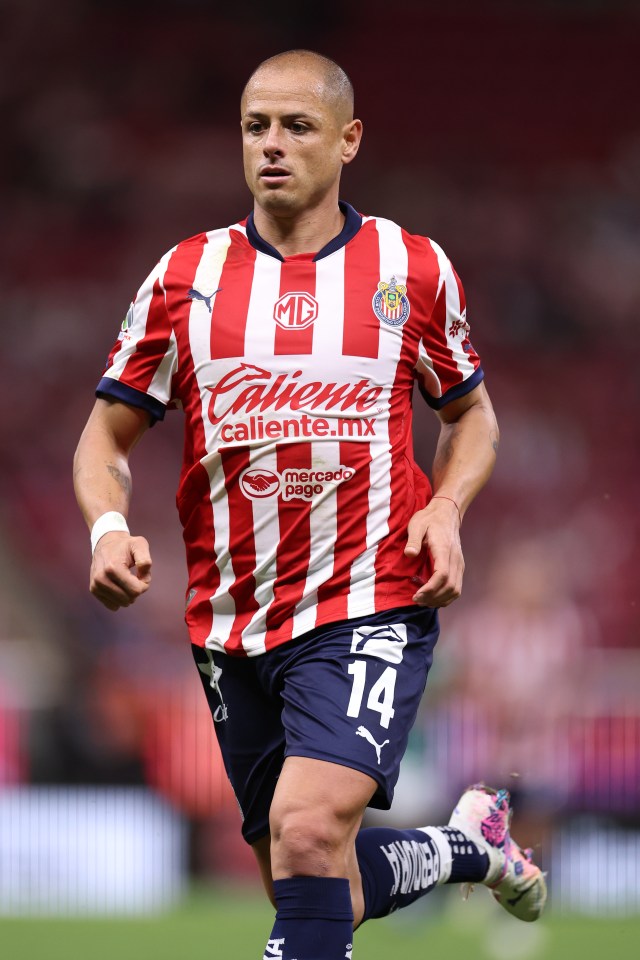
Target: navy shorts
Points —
{"points": [[346, 692]]}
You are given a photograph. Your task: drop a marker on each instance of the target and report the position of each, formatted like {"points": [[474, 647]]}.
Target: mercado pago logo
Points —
{"points": [[258, 483], [244, 401]]}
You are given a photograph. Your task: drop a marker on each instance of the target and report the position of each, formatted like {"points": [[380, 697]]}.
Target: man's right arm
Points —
{"points": [[121, 564]]}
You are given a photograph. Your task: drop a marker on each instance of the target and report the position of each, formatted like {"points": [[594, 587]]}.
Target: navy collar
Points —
{"points": [[352, 223]]}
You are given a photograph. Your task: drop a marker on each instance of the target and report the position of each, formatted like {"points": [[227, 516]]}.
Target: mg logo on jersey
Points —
{"points": [[295, 311]]}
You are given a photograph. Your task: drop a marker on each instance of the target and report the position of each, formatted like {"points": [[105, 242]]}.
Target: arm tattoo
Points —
{"points": [[121, 478], [495, 443], [445, 448]]}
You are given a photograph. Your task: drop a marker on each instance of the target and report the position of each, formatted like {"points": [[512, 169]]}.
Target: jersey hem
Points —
{"points": [[357, 611]]}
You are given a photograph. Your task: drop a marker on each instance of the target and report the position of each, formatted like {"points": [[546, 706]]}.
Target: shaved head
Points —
{"points": [[332, 82], [298, 132]]}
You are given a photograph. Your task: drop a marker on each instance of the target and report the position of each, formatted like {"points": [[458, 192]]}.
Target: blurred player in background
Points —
{"points": [[317, 552]]}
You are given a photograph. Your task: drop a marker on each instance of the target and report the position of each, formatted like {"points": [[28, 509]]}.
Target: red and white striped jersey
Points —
{"points": [[295, 376]]}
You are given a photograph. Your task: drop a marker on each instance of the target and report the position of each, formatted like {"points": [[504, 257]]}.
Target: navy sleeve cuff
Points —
{"points": [[455, 392], [110, 389]]}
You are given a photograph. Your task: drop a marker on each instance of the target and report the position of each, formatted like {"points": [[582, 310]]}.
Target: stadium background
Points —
{"points": [[510, 133]]}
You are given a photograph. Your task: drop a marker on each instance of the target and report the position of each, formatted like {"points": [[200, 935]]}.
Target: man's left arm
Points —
{"points": [[464, 460]]}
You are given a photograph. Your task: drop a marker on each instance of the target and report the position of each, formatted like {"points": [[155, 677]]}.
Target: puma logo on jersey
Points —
{"points": [[194, 294], [363, 732]]}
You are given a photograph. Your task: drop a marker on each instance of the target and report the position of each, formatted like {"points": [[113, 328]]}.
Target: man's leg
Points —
{"points": [[388, 868], [319, 860], [315, 815], [262, 851], [350, 697], [399, 866]]}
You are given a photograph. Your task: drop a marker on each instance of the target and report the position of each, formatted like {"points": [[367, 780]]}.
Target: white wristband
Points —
{"points": [[107, 523]]}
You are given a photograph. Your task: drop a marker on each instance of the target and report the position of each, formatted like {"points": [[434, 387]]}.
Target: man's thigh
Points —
{"points": [[351, 691]]}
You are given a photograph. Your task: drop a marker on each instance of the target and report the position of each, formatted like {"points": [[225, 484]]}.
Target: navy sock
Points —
{"points": [[400, 866], [468, 864], [397, 867], [314, 920]]}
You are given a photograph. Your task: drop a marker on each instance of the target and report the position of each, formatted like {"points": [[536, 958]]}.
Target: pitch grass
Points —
{"points": [[216, 924]]}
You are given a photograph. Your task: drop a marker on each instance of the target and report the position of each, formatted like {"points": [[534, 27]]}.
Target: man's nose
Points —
{"points": [[273, 145]]}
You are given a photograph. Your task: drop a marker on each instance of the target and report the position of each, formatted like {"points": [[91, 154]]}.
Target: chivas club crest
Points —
{"points": [[390, 303]]}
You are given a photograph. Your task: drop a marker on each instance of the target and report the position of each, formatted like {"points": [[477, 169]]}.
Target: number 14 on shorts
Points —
{"points": [[387, 643], [381, 694]]}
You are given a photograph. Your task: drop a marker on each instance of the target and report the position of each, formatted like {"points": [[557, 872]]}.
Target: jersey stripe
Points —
{"points": [[323, 519], [454, 313], [409, 487], [194, 494], [362, 595], [361, 334], [322, 539], [231, 302], [292, 561], [138, 372], [197, 332], [297, 276], [351, 533], [147, 342], [242, 547], [266, 532], [264, 290], [444, 347]]}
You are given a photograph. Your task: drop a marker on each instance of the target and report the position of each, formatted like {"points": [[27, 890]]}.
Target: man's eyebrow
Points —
{"points": [[297, 115]]}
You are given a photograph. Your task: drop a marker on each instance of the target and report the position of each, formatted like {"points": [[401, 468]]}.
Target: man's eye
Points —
{"points": [[254, 127], [298, 127]]}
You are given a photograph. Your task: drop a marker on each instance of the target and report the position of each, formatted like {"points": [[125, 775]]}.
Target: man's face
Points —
{"points": [[295, 139]]}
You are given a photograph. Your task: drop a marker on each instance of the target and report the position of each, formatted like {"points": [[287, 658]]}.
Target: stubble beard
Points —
{"points": [[279, 202]]}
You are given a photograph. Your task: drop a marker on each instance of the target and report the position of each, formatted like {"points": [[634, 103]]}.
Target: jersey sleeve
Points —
{"points": [[144, 360], [448, 367]]}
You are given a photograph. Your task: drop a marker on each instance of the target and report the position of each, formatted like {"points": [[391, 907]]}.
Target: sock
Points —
{"points": [[314, 920], [468, 864], [400, 866], [397, 867]]}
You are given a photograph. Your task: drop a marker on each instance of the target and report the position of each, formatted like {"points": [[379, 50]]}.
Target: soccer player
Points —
{"points": [[318, 554]]}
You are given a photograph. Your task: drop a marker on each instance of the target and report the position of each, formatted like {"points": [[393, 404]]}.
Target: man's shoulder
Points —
{"points": [[217, 235], [408, 237]]}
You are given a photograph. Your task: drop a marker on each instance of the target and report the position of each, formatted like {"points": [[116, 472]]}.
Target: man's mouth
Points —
{"points": [[274, 174]]}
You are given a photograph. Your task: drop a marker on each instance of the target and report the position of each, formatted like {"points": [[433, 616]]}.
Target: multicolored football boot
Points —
{"points": [[483, 815]]}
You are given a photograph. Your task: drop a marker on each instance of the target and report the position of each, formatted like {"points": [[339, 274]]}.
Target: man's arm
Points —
{"points": [[464, 460], [121, 564]]}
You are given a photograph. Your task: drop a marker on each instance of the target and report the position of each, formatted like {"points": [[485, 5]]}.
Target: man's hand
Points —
{"points": [[120, 570], [438, 528]]}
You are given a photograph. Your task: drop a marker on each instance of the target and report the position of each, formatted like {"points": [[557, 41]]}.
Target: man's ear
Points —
{"points": [[351, 135]]}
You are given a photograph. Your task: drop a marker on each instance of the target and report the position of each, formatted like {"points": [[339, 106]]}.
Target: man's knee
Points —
{"points": [[309, 842], [315, 815]]}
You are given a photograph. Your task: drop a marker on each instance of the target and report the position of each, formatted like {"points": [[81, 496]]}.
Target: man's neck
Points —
{"points": [[306, 233]]}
